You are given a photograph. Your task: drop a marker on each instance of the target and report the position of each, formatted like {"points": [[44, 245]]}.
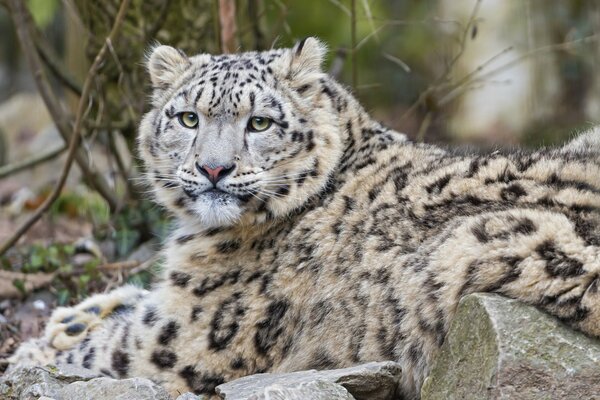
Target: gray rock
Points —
{"points": [[499, 348], [74, 384], [118, 389], [372, 381], [191, 396], [315, 390]]}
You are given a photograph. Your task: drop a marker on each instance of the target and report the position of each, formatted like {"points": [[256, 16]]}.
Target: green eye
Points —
{"points": [[188, 119], [259, 124]]}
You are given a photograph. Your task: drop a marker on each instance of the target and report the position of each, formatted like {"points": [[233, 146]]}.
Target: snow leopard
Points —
{"points": [[309, 235]]}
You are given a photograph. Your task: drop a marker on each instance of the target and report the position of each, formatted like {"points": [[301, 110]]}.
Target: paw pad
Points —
{"points": [[122, 309], [75, 329], [66, 320], [93, 310]]}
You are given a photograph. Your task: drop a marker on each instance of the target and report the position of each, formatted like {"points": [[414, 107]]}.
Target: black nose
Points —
{"points": [[214, 174]]}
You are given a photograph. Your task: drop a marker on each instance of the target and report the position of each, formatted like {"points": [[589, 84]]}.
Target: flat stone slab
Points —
{"points": [[498, 348], [371, 381], [75, 384]]}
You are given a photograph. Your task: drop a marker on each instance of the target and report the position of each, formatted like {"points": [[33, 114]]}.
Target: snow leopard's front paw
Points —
{"points": [[68, 326]]}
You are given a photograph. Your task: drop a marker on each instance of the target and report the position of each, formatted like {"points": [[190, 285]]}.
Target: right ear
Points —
{"points": [[165, 64]]}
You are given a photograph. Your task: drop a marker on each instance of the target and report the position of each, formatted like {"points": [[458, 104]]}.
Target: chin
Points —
{"points": [[217, 209]]}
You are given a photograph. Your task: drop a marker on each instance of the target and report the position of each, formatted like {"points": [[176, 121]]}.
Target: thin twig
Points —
{"points": [[477, 75], [442, 80], [119, 265], [23, 25], [75, 134], [122, 168], [54, 65], [30, 162]]}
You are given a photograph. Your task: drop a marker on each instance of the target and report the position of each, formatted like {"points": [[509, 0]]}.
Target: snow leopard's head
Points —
{"points": [[247, 136]]}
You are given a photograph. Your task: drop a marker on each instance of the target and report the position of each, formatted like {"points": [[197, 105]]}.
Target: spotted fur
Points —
{"points": [[333, 240]]}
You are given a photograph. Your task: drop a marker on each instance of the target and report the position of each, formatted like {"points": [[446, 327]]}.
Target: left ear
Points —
{"points": [[308, 55], [303, 61]]}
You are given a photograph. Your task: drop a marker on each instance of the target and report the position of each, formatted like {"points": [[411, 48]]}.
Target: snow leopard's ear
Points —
{"points": [[165, 64], [308, 55], [303, 61]]}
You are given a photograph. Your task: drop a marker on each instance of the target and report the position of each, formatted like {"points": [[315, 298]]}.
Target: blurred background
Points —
{"points": [[492, 73]]}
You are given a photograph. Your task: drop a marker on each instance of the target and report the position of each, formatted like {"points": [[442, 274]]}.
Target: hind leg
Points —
{"points": [[69, 326]]}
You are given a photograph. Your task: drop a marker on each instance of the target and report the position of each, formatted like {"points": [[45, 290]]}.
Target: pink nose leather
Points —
{"points": [[213, 174]]}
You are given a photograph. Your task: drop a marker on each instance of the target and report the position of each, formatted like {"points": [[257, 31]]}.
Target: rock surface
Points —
{"points": [[75, 384], [372, 381], [499, 348]]}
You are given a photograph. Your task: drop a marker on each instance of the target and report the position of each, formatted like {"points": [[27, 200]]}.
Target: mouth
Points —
{"points": [[215, 207], [216, 193]]}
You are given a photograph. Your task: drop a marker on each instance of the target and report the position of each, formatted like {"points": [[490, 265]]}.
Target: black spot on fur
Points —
{"points": [[480, 232], [558, 264], [513, 192], [228, 246], [120, 363], [168, 333], [283, 190], [200, 383], [185, 238], [238, 363], [180, 279], [163, 359], [439, 185], [224, 325], [150, 317], [122, 309], [270, 328], [88, 359], [525, 227], [209, 284], [196, 311]]}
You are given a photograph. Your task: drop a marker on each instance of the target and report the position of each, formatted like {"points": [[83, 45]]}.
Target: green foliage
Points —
{"points": [[88, 205]]}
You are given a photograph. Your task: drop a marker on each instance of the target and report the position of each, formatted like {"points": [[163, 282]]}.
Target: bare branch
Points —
{"points": [[54, 64], [479, 76], [76, 133], [23, 24], [30, 162]]}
